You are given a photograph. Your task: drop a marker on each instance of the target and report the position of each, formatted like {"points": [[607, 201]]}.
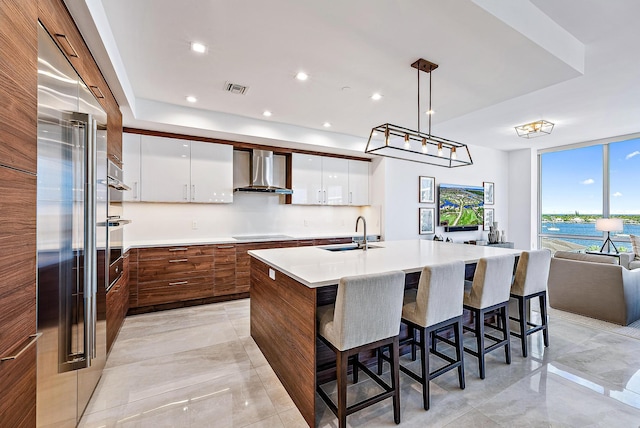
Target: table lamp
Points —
{"points": [[609, 225]]}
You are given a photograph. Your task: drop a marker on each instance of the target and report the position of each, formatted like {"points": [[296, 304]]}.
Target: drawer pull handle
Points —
{"points": [[34, 338], [179, 249], [178, 260], [98, 93], [68, 47], [222, 247], [179, 283]]}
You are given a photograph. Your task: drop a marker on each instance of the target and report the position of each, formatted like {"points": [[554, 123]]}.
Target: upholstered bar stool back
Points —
{"points": [[365, 316], [530, 281], [439, 295], [367, 309], [532, 272], [489, 293], [435, 307], [491, 282]]}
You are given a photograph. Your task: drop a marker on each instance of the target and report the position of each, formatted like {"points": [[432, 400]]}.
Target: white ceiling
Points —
{"points": [[502, 63]]}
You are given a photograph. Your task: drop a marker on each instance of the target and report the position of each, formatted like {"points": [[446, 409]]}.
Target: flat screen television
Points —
{"points": [[460, 207]]}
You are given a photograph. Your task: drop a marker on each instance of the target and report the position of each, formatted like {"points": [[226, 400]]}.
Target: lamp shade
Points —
{"points": [[609, 224]]}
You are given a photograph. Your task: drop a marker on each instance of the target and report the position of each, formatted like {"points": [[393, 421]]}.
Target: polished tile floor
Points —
{"points": [[199, 367]]}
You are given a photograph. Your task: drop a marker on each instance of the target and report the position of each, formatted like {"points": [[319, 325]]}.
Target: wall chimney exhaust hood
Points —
{"points": [[261, 169]]}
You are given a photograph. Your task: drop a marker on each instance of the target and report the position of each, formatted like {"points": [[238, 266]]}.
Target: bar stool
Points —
{"points": [[530, 281], [489, 292], [366, 315], [434, 307]]}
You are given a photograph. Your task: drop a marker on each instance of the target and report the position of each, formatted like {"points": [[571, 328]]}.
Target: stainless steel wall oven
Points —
{"points": [[115, 222]]}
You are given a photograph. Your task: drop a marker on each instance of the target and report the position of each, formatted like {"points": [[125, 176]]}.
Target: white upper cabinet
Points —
{"points": [[306, 174], [165, 171], [323, 180], [358, 182], [335, 181], [131, 166], [211, 172]]}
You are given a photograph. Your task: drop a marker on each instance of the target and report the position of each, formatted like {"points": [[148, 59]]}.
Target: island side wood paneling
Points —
{"points": [[283, 325]]}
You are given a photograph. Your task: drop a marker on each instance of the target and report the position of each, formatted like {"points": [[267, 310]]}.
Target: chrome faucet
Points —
{"points": [[364, 222]]}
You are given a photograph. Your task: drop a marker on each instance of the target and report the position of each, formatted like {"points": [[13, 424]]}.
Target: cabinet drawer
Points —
{"points": [[225, 254], [174, 252], [174, 268], [158, 292], [330, 241]]}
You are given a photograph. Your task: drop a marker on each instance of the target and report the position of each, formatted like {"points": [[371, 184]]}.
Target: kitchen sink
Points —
{"points": [[347, 247]]}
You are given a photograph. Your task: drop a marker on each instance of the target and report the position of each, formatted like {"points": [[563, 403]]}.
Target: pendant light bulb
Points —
{"points": [[453, 153], [439, 149], [407, 145], [425, 149]]}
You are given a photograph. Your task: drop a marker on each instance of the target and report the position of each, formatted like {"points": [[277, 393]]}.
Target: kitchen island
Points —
{"points": [[288, 284]]}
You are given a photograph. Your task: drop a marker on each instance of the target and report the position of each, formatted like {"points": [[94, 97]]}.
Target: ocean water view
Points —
{"points": [[592, 237]]}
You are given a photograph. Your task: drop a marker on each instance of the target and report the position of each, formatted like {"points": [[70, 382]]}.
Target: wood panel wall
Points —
{"points": [[18, 130], [18, 166]]}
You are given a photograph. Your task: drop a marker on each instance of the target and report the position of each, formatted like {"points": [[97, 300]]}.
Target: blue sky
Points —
{"points": [[572, 179]]}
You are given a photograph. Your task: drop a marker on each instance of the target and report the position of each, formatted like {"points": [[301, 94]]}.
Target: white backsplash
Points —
{"points": [[249, 214]]}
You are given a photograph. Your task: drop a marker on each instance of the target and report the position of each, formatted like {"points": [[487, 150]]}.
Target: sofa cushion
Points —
{"points": [[635, 243], [586, 257], [634, 264]]}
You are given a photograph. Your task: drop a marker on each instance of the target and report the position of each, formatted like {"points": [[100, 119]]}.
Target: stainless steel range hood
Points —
{"points": [[261, 166]]}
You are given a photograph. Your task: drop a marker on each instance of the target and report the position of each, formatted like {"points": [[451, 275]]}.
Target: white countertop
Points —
{"points": [[232, 240], [316, 267]]}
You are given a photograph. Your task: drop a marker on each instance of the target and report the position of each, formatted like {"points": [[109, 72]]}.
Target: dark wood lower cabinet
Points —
{"points": [[171, 277]]}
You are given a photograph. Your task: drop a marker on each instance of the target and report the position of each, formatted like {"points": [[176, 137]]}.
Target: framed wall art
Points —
{"points": [[427, 220], [488, 193], [488, 218], [427, 190]]}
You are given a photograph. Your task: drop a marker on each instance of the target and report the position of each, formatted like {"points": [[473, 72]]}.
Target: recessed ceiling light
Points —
{"points": [[326, 125], [198, 47], [376, 96], [302, 76], [266, 113], [192, 99]]}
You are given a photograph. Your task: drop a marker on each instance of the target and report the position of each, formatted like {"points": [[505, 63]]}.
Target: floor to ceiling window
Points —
{"points": [[580, 185]]}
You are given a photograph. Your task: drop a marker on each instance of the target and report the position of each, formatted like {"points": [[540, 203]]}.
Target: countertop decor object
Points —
{"points": [[413, 145]]}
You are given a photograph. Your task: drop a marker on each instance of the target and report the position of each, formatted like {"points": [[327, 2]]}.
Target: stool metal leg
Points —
{"points": [[395, 378], [543, 314], [479, 317], [342, 360], [424, 353], [459, 352], [507, 334], [522, 314]]}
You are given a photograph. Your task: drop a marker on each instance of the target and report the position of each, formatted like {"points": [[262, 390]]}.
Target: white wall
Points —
{"points": [[249, 214], [400, 187], [523, 198]]}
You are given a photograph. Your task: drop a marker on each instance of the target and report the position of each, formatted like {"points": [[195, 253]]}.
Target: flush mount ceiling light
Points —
{"points": [[534, 129], [397, 142], [302, 76], [198, 47]]}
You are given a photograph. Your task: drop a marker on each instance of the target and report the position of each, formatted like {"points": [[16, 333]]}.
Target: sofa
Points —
{"points": [[594, 286]]}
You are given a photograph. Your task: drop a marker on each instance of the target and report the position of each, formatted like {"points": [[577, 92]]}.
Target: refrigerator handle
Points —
{"points": [[90, 251]]}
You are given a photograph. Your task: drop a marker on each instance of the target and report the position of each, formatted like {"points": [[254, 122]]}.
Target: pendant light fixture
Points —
{"points": [[402, 143]]}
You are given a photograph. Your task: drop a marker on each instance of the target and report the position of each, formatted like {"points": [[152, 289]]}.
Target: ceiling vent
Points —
{"points": [[235, 88]]}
